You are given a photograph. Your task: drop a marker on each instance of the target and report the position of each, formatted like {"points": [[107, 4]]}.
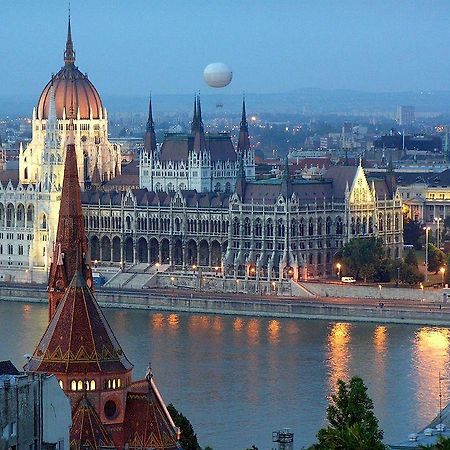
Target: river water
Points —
{"points": [[239, 378]]}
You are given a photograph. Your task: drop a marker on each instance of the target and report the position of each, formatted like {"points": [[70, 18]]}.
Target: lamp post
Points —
{"points": [[438, 230], [442, 270], [421, 287], [379, 287], [338, 266], [427, 229]]}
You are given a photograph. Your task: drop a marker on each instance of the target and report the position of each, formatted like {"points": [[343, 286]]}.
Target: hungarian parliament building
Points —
{"points": [[197, 202]]}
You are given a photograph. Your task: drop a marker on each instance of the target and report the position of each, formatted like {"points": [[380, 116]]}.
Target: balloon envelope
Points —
{"points": [[217, 75]]}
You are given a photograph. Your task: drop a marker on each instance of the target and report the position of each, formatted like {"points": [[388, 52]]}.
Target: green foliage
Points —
{"points": [[412, 233], [443, 443], [436, 258], [188, 439], [405, 273], [352, 423], [363, 257], [411, 258]]}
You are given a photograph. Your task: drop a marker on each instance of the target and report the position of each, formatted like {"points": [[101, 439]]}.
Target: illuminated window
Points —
{"points": [[79, 385], [73, 385], [118, 383], [92, 386], [61, 384]]}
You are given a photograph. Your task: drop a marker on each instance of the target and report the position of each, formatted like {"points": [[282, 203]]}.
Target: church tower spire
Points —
{"points": [[70, 248], [244, 140], [150, 136], [69, 53], [197, 127]]}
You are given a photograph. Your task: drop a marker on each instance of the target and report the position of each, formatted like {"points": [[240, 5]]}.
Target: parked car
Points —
{"points": [[348, 280]]}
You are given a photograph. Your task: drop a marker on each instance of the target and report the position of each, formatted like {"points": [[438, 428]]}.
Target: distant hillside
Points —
{"points": [[303, 101]]}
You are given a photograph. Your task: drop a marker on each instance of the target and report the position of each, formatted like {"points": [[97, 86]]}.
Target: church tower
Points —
{"points": [[80, 348], [70, 247]]}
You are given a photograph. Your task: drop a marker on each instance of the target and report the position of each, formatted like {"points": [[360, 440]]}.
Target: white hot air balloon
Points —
{"points": [[217, 75]]}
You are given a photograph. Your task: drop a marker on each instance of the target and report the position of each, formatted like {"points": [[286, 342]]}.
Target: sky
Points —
{"points": [[133, 47]]}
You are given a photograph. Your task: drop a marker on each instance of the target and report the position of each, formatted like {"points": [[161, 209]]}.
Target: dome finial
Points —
{"points": [[69, 53]]}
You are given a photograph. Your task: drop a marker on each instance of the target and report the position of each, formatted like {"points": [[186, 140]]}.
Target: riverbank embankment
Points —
{"points": [[361, 310]]}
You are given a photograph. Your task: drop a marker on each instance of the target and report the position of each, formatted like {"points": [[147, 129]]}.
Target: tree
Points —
{"points": [[436, 258], [411, 258], [363, 257], [412, 232], [443, 443], [188, 439], [352, 423]]}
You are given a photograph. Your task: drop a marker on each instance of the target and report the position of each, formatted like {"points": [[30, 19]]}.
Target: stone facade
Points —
{"points": [[200, 161], [270, 229], [34, 413]]}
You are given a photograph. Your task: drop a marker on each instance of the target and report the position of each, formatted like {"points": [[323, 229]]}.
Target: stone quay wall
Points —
{"points": [[148, 299]]}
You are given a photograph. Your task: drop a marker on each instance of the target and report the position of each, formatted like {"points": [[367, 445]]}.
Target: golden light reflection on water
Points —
{"points": [[158, 321], [26, 312], [431, 348], [380, 342], [273, 329], [238, 324], [380, 338], [253, 331], [218, 324], [174, 321], [339, 338], [198, 324]]}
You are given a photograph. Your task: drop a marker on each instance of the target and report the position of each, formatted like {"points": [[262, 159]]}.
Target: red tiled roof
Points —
{"points": [[147, 422], [87, 430], [78, 338]]}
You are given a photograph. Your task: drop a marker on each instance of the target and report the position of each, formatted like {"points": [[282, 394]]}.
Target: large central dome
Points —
{"points": [[72, 90]]}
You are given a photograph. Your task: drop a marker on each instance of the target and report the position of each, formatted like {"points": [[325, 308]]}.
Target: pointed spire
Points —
{"points": [[197, 124], [150, 136], [197, 127], [96, 179], [244, 139], [70, 243], [199, 110], [69, 53], [244, 124]]}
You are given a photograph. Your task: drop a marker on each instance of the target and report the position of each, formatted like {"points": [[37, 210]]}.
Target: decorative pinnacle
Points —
{"points": [[69, 53]]}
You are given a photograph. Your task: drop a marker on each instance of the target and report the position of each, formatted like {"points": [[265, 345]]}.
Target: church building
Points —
{"points": [[109, 409]]}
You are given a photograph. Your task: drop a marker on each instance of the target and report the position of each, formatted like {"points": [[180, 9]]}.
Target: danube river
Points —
{"points": [[238, 378]]}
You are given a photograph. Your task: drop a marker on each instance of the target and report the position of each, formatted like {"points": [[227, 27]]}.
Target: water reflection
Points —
{"points": [[253, 331], [238, 324], [338, 354], [273, 329], [431, 346], [235, 376]]}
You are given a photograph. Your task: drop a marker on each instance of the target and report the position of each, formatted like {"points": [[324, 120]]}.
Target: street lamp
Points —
{"points": [[438, 230], [427, 229], [379, 287], [338, 266], [421, 287], [442, 270]]}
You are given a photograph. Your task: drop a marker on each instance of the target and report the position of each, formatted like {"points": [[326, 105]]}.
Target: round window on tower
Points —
{"points": [[110, 409]]}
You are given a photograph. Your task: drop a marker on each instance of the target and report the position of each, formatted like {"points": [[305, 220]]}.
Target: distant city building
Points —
{"points": [[405, 115], [426, 196], [347, 138], [34, 411]]}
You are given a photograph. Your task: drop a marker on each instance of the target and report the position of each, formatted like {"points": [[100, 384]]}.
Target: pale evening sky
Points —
{"points": [[136, 46]]}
